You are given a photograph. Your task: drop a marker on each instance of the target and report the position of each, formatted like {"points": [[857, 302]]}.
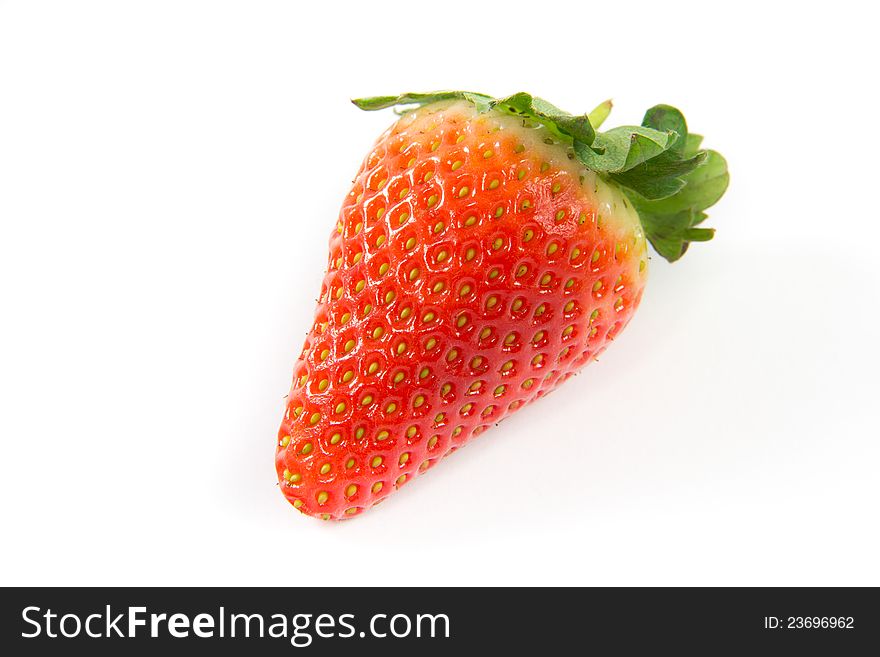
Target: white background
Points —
{"points": [[169, 176]]}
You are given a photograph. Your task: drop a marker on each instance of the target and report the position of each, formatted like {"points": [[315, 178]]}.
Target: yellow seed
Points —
{"points": [[642, 265], [297, 504], [359, 433], [432, 442], [438, 286], [442, 256], [400, 480], [316, 417], [497, 243], [552, 248], [444, 389], [499, 211], [389, 296], [377, 487], [491, 302], [569, 283], [568, 307], [517, 304], [537, 360], [382, 435], [322, 497], [345, 318], [510, 339], [485, 333], [399, 377], [507, 366], [377, 332], [439, 418], [367, 400], [568, 331], [435, 145], [403, 192], [376, 462], [286, 474], [418, 401], [465, 290], [414, 273], [528, 235], [439, 226], [457, 430], [430, 344], [306, 449], [349, 345], [452, 355], [476, 385], [456, 165], [470, 221], [545, 279], [335, 438], [350, 490], [410, 243], [595, 256], [295, 478], [526, 204], [427, 176], [494, 184], [349, 464], [499, 391], [538, 336], [403, 458], [432, 200], [401, 347], [469, 254], [325, 468], [348, 376], [575, 252], [380, 240], [285, 441], [367, 310], [594, 315], [424, 373], [428, 317], [466, 408], [324, 354], [597, 286], [528, 383], [373, 367], [461, 321], [464, 191], [403, 218], [412, 431], [340, 408], [556, 187]]}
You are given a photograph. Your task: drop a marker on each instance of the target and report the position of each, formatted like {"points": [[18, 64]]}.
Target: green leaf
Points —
{"points": [[659, 164], [562, 124], [621, 149], [659, 177], [668, 119], [670, 223]]}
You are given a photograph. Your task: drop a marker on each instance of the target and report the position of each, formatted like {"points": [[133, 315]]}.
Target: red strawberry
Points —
{"points": [[487, 251]]}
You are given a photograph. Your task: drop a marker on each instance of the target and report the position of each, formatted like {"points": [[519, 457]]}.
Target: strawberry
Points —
{"points": [[488, 249]]}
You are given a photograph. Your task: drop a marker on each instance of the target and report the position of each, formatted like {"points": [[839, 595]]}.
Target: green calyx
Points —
{"points": [[658, 164]]}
